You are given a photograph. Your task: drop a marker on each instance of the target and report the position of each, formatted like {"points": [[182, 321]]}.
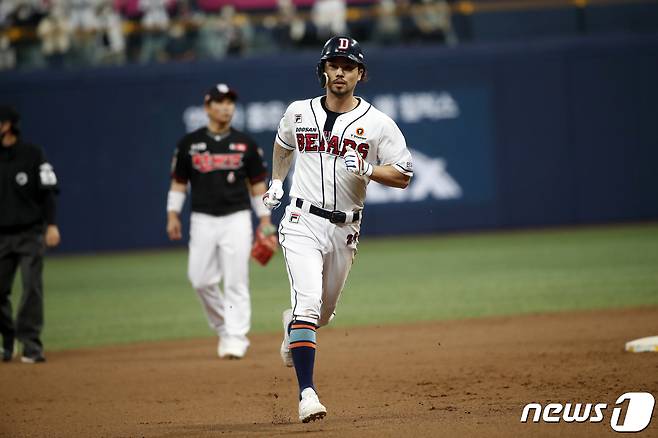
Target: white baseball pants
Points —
{"points": [[318, 257], [220, 248]]}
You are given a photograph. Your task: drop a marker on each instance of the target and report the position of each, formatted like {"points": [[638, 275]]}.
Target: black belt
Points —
{"points": [[335, 216]]}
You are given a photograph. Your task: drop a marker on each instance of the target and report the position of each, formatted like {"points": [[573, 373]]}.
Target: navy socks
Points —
{"points": [[302, 347]]}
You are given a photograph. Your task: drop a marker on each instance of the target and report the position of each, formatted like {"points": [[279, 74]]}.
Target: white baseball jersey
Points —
{"points": [[320, 175]]}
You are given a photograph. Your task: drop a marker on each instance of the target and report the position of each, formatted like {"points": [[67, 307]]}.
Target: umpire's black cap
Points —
{"points": [[219, 92], [9, 114]]}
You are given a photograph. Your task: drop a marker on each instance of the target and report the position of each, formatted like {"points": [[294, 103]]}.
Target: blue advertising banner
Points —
{"points": [[561, 132]]}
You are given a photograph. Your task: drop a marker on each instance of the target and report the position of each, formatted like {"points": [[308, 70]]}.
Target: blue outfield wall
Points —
{"points": [[509, 135]]}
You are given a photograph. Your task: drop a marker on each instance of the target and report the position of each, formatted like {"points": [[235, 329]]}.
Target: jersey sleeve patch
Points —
{"points": [[405, 168], [47, 175]]}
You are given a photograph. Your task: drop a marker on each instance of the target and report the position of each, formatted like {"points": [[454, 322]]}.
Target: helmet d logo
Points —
{"points": [[340, 47]]}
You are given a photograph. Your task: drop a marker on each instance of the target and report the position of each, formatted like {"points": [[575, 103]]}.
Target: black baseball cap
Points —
{"points": [[9, 114], [219, 92]]}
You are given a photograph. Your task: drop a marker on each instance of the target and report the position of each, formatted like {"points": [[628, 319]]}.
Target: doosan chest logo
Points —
{"points": [[240, 147]]}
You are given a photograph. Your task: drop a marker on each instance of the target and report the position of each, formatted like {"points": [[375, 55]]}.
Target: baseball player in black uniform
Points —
{"points": [[225, 171], [27, 225]]}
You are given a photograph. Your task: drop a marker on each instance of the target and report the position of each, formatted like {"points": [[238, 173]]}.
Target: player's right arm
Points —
{"points": [[282, 156], [180, 174], [281, 161], [175, 201]]}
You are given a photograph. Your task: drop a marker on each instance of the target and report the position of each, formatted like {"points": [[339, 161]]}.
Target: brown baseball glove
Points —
{"points": [[265, 245]]}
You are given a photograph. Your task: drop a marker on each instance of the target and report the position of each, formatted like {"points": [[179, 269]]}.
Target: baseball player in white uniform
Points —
{"points": [[341, 143]]}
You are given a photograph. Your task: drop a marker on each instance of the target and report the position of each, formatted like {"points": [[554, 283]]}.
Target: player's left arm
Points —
{"points": [[390, 176], [395, 168], [265, 243]]}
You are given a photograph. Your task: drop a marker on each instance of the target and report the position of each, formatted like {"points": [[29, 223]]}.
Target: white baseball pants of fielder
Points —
{"points": [[220, 247], [318, 257]]}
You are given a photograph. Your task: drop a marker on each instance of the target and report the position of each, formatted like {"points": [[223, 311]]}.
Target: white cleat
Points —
{"points": [[310, 408], [229, 349], [286, 354]]}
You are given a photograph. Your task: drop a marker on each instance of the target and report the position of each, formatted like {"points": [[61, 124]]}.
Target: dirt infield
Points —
{"points": [[455, 378]]}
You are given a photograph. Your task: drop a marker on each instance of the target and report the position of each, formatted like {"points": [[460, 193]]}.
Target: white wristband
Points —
{"points": [[259, 207], [175, 201], [369, 169]]}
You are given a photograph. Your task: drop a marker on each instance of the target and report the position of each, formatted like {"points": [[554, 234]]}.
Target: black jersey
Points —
{"points": [[218, 167], [27, 187]]}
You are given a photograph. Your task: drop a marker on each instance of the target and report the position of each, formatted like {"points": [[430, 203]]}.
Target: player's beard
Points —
{"points": [[345, 91]]}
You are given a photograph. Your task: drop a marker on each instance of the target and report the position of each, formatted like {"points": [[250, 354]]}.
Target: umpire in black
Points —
{"points": [[28, 186]]}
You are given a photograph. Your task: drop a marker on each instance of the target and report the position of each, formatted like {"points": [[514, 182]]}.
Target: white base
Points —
{"points": [[643, 345]]}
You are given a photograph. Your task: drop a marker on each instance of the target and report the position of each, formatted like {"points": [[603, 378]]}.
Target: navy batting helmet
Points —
{"points": [[340, 46]]}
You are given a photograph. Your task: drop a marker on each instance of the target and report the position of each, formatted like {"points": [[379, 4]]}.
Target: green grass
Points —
{"points": [[107, 299]]}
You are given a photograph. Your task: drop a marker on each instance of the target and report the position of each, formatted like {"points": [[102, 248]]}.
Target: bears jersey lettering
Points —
{"points": [[319, 178]]}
